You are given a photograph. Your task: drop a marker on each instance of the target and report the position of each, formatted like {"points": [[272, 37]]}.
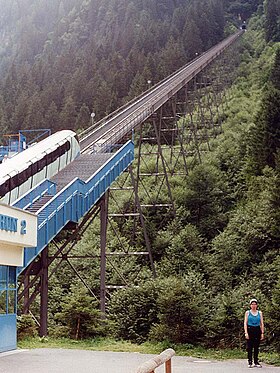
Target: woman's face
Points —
{"points": [[254, 305]]}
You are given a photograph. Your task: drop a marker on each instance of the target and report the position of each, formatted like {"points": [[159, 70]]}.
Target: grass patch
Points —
{"points": [[107, 344]]}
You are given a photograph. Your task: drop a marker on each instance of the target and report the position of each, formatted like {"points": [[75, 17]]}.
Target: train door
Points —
{"points": [[75, 146]]}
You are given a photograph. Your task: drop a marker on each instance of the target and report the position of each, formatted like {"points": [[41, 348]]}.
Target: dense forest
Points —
{"points": [[62, 60], [59, 59]]}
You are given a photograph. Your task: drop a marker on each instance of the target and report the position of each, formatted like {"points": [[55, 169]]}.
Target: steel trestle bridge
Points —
{"points": [[112, 129], [74, 196]]}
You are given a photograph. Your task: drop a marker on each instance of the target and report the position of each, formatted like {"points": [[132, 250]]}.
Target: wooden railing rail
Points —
{"points": [[150, 365]]}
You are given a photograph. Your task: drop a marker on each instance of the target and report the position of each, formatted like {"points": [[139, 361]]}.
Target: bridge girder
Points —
{"points": [[175, 134]]}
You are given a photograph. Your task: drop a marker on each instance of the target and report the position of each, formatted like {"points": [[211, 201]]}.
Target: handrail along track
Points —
{"points": [[121, 122]]}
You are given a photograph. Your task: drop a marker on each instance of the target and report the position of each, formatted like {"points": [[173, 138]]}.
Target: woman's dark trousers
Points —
{"points": [[253, 343]]}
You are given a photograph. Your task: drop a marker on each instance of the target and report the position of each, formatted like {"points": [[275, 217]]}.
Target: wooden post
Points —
{"points": [[150, 365], [168, 366]]}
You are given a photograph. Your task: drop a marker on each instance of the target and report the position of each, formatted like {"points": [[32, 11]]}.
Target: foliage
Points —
{"points": [[265, 136], [243, 8], [180, 308], [79, 317], [264, 141], [226, 314], [183, 252], [204, 197], [222, 248], [273, 317], [248, 236], [26, 327], [133, 311], [77, 57], [272, 17]]}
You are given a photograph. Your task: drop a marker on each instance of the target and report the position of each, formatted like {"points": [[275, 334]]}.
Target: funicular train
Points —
{"points": [[243, 26], [40, 161]]}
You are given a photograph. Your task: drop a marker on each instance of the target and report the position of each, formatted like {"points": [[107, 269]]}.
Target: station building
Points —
{"points": [[18, 229]]}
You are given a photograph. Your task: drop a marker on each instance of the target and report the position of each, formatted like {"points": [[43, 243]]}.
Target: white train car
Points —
{"points": [[40, 161]]}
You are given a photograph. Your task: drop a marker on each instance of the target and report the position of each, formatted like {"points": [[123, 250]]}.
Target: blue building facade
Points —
{"points": [[8, 296], [19, 247]]}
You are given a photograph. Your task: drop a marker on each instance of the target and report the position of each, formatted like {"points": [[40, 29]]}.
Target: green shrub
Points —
{"points": [[26, 327], [80, 317], [133, 312], [179, 304]]}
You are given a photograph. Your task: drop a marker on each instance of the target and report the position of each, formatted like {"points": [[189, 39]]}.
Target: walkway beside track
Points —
{"points": [[115, 126], [83, 167], [71, 193]]}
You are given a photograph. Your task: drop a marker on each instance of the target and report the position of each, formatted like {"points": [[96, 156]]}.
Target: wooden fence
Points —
{"points": [[150, 365]]}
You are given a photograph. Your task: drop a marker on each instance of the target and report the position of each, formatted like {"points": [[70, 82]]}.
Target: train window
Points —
{"points": [[55, 154], [42, 163], [14, 182], [22, 177], [4, 188], [28, 172], [61, 151], [34, 168], [68, 146], [49, 158], [64, 148]]}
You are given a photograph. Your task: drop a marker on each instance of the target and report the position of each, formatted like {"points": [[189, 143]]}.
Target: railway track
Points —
{"points": [[113, 128]]}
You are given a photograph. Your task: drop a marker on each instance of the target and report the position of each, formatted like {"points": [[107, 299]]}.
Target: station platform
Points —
{"points": [[71, 193]]}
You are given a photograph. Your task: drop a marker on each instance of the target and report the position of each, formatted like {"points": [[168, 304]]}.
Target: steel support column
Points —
{"points": [[103, 244], [35, 278], [44, 294]]}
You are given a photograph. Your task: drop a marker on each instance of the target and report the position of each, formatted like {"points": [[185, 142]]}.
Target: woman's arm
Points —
{"points": [[246, 325], [262, 325]]}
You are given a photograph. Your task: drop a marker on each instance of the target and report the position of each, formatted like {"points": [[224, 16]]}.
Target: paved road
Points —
{"points": [[81, 361]]}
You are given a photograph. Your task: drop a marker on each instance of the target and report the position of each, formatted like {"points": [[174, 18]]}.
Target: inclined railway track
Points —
{"points": [[113, 128]]}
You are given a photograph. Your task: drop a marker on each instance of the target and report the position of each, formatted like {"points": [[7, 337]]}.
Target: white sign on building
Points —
{"points": [[18, 229]]}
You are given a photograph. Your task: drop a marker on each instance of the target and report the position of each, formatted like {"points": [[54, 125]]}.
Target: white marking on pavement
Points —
{"points": [[201, 361], [13, 352]]}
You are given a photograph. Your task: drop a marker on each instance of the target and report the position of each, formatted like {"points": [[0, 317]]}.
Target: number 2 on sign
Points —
{"points": [[23, 227]]}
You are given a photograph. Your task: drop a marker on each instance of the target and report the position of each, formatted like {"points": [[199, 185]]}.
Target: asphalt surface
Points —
{"points": [[83, 361]]}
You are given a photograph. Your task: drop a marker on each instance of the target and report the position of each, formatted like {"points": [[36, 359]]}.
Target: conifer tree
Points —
{"points": [[275, 71], [264, 141], [272, 13]]}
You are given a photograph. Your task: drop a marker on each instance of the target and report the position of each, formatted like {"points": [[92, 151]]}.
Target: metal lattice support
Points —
{"points": [[34, 280], [169, 143], [175, 137], [124, 198]]}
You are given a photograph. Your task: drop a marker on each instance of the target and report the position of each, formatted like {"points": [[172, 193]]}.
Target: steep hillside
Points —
{"points": [[63, 59]]}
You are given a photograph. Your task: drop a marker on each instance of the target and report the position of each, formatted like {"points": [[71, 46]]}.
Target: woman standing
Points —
{"points": [[254, 332]]}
